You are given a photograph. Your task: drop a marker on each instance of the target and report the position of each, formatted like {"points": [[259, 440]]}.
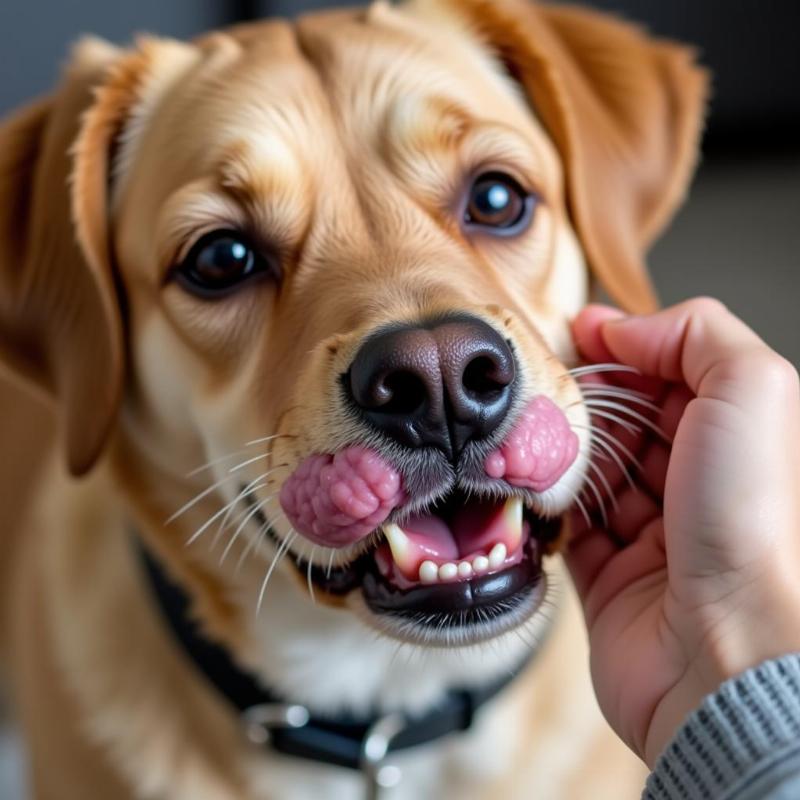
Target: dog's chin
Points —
{"points": [[493, 591]]}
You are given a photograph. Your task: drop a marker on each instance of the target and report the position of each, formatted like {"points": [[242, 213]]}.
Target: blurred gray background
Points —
{"points": [[738, 237]]}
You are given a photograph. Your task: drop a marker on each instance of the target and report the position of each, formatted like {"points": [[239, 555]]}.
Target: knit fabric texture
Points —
{"points": [[742, 743]]}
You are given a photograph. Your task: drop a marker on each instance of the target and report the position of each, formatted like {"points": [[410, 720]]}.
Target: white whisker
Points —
{"points": [[623, 423], [214, 462], [249, 489], [610, 453], [590, 368], [198, 497], [251, 545], [282, 550], [330, 564], [199, 532], [196, 535], [595, 395], [266, 439], [251, 512], [623, 409], [308, 575], [227, 508], [583, 510], [601, 506], [605, 437], [598, 453], [612, 387], [606, 485], [243, 464]]}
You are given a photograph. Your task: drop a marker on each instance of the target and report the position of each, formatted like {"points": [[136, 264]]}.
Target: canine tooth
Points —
{"points": [[399, 544], [480, 564], [428, 572], [513, 517], [464, 569], [497, 555], [448, 571]]}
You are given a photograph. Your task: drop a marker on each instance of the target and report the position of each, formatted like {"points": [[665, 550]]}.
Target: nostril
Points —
{"points": [[400, 392], [438, 384], [484, 378]]}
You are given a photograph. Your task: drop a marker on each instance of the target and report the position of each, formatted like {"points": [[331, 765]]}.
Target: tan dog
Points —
{"points": [[356, 241]]}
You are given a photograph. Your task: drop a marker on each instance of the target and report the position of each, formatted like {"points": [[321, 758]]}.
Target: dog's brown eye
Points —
{"points": [[498, 202], [218, 263]]}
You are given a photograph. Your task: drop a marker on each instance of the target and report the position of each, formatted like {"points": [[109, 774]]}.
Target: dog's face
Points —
{"points": [[349, 252]]}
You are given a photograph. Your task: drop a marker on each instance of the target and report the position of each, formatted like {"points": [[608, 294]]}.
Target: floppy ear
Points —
{"points": [[624, 110], [60, 320]]}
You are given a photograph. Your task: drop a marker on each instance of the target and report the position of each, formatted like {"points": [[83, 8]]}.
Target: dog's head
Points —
{"points": [[337, 260]]}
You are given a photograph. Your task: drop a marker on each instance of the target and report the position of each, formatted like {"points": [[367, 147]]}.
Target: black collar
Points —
{"points": [[336, 740]]}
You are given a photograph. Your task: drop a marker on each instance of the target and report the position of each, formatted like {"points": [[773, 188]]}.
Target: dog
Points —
{"points": [[286, 314]]}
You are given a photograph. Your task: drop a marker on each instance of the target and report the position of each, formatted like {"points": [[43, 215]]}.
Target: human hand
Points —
{"points": [[697, 575]]}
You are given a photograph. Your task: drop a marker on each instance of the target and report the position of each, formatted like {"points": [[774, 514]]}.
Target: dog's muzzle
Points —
{"points": [[442, 392]]}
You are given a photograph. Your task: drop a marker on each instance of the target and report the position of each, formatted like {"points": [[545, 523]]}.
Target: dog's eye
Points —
{"points": [[218, 263], [497, 201]]}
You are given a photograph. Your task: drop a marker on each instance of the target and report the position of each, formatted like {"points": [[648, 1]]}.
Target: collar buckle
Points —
{"points": [[260, 720], [378, 774]]}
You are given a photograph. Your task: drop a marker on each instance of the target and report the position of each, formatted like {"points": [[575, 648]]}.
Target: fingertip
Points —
{"points": [[587, 330]]}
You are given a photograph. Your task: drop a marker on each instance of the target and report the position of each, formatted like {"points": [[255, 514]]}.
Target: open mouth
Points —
{"points": [[467, 562]]}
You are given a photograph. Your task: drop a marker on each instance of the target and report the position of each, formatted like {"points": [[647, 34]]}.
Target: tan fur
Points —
{"points": [[336, 143]]}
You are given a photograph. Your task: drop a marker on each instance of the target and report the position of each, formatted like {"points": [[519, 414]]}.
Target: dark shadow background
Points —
{"points": [[738, 237]]}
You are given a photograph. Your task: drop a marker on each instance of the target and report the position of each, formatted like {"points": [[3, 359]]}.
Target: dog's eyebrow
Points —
{"points": [[257, 167], [265, 176]]}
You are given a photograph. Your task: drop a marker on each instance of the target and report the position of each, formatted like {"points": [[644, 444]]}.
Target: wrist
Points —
{"points": [[747, 634], [738, 731], [743, 637]]}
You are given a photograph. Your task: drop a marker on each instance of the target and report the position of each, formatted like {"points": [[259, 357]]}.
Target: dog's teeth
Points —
{"points": [[400, 546], [480, 564], [497, 555], [512, 511], [448, 571], [428, 572], [464, 569]]}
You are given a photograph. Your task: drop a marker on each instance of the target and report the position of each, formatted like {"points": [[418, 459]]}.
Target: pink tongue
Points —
{"points": [[431, 538], [476, 527]]}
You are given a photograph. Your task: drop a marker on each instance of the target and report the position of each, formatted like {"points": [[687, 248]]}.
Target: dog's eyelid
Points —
{"points": [[495, 203], [221, 261]]}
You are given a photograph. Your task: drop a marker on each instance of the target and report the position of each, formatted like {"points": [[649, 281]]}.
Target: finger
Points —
{"points": [[635, 510], [587, 330], [585, 557], [699, 343], [612, 437]]}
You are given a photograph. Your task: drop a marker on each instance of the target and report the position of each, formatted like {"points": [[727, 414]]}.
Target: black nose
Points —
{"points": [[441, 384]]}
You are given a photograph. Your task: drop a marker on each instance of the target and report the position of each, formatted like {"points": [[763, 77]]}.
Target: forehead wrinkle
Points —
{"points": [[266, 176], [386, 65], [366, 63]]}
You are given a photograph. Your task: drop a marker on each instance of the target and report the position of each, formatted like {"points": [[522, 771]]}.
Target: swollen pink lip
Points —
{"points": [[336, 500], [539, 449]]}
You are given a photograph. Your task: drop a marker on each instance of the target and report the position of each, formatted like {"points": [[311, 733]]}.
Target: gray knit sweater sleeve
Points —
{"points": [[742, 743]]}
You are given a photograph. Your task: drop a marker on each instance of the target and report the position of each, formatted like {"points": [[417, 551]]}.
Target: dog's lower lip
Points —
{"points": [[463, 598]]}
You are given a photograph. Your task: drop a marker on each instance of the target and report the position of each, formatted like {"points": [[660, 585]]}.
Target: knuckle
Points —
{"points": [[781, 374], [772, 373], [706, 306]]}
